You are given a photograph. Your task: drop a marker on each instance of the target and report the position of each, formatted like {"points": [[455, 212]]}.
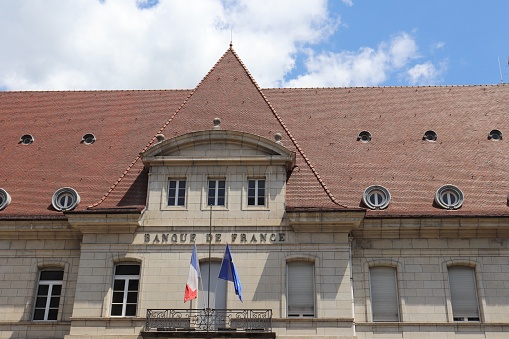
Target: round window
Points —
{"points": [[495, 135], [449, 197], [376, 197], [65, 199], [88, 139], [5, 199], [26, 139], [430, 136], [364, 136]]}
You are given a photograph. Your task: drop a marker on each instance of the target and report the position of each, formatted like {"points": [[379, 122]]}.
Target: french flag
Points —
{"points": [[192, 279]]}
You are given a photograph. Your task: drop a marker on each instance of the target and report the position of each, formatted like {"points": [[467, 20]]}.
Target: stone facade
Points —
{"points": [[409, 268]]}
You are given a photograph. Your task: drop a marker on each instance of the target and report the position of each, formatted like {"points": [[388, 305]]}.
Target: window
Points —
{"points": [[5, 199], [463, 293], [430, 136], [495, 135], [256, 192], [88, 139], [177, 192], [364, 136], [65, 199], [217, 286], [376, 197], [449, 197], [125, 290], [300, 283], [384, 294], [216, 193], [49, 291]]}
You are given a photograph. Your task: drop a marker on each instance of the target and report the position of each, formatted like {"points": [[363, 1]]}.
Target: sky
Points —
{"points": [[172, 44]]}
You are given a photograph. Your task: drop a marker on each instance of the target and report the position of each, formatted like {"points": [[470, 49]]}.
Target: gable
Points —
{"points": [[218, 147]]}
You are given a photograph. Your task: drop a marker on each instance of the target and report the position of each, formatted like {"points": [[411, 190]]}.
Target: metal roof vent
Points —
{"points": [[430, 136], [277, 138], [364, 136], [495, 135], [88, 139], [217, 123], [160, 137], [26, 139]]}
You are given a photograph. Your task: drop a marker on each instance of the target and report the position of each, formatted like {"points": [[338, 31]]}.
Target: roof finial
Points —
{"points": [[231, 38]]}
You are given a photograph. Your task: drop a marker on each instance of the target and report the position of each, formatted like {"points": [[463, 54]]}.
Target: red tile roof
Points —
{"points": [[321, 125]]}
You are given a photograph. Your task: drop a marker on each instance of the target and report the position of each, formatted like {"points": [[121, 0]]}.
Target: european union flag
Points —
{"points": [[228, 272]]}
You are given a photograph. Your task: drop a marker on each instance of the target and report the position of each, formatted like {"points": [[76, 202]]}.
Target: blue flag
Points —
{"points": [[228, 272]]}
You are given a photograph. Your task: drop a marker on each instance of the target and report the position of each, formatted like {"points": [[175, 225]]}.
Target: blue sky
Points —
{"points": [[166, 44]]}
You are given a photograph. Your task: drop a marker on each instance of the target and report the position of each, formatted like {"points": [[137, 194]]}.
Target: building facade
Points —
{"points": [[349, 212]]}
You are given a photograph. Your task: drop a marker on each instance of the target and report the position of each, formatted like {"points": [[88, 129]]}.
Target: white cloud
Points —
{"points": [[154, 44], [426, 73], [348, 2], [131, 44], [367, 67]]}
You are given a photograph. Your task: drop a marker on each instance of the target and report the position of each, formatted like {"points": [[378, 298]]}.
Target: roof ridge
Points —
{"points": [[155, 136], [287, 131]]}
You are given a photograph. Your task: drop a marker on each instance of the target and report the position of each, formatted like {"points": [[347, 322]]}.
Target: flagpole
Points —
{"points": [[210, 243]]}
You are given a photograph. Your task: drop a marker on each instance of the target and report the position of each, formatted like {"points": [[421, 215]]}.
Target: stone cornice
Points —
{"points": [[325, 221], [434, 228], [104, 223]]}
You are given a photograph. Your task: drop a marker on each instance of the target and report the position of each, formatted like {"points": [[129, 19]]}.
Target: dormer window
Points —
{"points": [[65, 199], [5, 199], [376, 197], [449, 197]]}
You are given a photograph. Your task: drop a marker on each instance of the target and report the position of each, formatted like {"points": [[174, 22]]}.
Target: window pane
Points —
{"points": [[39, 314], [119, 285], [127, 270], [261, 184], [250, 201], [43, 290], [251, 185], [118, 297], [116, 309], [173, 184], [182, 184], [132, 297], [130, 310], [133, 285], [52, 275], [261, 201], [54, 302], [222, 183], [181, 201], [41, 302], [56, 290], [52, 314]]}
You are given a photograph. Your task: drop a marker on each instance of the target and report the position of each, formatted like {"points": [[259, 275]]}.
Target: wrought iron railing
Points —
{"points": [[209, 320]]}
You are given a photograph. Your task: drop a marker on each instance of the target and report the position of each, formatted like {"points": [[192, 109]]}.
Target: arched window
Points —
{"points": [[300, 289], [384, 293], [125, 290]]}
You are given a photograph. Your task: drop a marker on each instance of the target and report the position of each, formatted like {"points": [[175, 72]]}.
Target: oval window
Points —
{"points": [[376, 197], [5, 199], [449, 197], [65, 199]]}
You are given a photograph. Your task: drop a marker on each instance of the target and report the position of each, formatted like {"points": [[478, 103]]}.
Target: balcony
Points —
{"points": [[207, 323]]}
